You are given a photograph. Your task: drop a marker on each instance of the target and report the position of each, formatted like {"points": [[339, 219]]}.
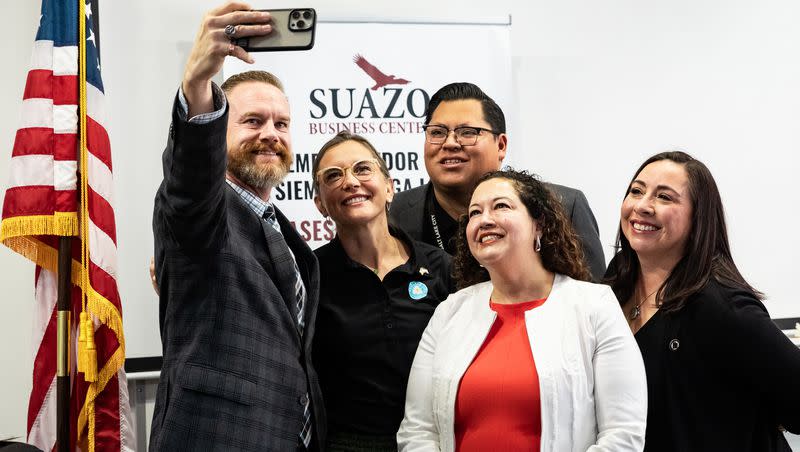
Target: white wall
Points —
{"points": [[16, 273], [602, 85]]}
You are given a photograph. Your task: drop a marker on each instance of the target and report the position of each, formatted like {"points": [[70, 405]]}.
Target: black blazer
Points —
{"points": [[721, 376], [236, 370], [409, 213]]}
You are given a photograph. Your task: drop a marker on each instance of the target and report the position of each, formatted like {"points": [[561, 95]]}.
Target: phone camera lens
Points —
{"points": [[301, 24], [306, 15], [295, 14]]}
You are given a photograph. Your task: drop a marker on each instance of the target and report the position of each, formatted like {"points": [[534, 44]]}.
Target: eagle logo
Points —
{"points": [[380, 78]]}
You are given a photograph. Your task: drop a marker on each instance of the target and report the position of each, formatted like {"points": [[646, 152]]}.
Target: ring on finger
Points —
{"points": [[230, 30]]}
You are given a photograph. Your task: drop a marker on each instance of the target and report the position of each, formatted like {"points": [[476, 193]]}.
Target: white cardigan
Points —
{"points": [[591, 376]]}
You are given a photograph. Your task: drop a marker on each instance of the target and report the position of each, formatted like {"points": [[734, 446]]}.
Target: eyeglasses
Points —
{"points": [[465, 136], [363, 170]]}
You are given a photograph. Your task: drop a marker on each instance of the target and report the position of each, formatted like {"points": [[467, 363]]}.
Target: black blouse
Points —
{"points": [[367, 332]]}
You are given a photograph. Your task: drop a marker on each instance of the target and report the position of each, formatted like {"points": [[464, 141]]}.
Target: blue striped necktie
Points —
{"points": [[300, 296]]}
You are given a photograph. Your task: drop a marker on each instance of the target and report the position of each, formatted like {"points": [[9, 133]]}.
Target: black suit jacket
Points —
{"points": [[236, 370], [408, 211]]}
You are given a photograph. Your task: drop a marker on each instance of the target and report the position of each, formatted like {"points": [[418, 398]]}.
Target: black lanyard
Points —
{"points": [[434, 223]]}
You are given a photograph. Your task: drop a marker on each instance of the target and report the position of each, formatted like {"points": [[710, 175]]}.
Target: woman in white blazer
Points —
{"points": [[527, 356]]}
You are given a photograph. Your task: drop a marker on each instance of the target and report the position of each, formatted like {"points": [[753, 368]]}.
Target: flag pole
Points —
{"points": [[64, 307], [63, 331]]}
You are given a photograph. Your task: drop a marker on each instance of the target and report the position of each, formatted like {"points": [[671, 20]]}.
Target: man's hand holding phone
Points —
{"points": [[235, 29], [215, 40]]}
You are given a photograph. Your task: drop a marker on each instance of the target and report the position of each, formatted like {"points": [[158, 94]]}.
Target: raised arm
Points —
{"points": [[190, 201], [212, 45]]}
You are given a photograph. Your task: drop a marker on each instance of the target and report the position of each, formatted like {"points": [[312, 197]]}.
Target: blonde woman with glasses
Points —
{"points": [[378, 290]]}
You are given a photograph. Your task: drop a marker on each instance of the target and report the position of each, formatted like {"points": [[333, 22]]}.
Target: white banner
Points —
{"points": [[375, 79]]}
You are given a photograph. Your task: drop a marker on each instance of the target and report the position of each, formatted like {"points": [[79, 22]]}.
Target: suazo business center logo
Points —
{"points": [[388, 106]]}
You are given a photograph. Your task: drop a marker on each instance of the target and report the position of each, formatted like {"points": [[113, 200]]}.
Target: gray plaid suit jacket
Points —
{"points": [[236, 371]]}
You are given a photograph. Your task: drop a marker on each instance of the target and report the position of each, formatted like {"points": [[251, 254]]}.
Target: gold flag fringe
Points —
{"points": [[61, 223], [108, 372]]}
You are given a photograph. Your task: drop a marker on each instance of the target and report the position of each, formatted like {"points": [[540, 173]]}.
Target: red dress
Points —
{"points": [[498, 406]]}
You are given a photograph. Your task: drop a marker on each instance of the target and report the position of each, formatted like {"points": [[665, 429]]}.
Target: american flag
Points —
{"points": [[44, 201]]}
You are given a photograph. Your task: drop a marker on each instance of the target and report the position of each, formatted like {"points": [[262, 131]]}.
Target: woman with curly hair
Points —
{"points": [[720, 375], [527, 355]]}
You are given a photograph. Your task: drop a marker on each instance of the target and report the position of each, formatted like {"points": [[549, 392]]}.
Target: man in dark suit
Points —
{"points": [[238, 286], [465, 138]]}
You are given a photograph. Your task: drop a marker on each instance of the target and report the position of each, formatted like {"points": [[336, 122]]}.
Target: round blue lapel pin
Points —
{"points": [[417, 290]]}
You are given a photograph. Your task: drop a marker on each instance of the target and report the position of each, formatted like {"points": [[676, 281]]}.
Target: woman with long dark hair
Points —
{"points": [[528, 355], [720, 375]]}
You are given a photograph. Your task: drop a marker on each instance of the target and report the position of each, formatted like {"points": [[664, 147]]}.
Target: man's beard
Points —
{"points": [[242, 164]]}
